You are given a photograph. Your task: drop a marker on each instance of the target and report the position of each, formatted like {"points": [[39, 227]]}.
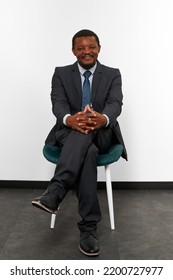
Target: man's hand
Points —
{"points": [[86, 120], [98, 120]]}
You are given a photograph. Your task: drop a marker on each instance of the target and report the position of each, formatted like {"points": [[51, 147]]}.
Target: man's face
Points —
{"points": [[86, 50]]}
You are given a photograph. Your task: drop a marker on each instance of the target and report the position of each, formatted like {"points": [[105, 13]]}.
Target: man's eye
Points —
{"points": [[80, 49]]}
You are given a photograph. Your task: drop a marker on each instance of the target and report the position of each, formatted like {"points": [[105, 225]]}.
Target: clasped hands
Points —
{"points": [[86, 120]]}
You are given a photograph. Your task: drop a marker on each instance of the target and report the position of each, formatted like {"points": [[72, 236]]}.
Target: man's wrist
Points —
{"points": [[107, 120], [65, 119]]}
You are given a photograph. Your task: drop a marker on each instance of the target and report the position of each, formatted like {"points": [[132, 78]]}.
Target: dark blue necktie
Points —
{"points": [[86, 99]]}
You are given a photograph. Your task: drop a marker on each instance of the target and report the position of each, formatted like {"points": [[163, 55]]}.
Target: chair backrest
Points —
{"points": [[52, 154]]}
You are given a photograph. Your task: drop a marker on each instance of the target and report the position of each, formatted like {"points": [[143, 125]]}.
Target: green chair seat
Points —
{"points": [[52, 154]]}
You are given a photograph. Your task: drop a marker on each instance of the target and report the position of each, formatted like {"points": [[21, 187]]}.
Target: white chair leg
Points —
{"points": [[53, 219], [110, 196]]}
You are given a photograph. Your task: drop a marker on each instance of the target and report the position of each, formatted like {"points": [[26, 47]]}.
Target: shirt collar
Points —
{"points": [[82, 70]]}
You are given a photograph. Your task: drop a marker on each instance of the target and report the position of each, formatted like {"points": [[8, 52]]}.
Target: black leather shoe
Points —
{"points": [[48, 201], [89, 244]]}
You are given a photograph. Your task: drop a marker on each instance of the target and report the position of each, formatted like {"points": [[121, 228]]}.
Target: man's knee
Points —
{"points": [[103, 140], [93, 151]]}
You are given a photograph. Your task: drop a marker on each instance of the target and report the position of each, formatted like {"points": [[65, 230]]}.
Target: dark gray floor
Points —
{"points": [[144, 227]]}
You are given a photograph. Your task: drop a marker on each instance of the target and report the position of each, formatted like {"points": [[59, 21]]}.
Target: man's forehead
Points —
{"points": [[84, 39]]}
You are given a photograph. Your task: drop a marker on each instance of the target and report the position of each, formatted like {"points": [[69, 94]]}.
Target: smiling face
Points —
{"points": [[86, 50]]}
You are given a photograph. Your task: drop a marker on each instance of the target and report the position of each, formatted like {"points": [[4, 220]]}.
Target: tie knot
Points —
{"points": [[87, 74]]}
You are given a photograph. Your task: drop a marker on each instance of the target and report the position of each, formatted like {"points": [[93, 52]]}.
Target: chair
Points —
{"points": [[52, 154]]}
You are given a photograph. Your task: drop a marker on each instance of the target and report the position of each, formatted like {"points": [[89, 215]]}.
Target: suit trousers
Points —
{"points": [[78, 167]]}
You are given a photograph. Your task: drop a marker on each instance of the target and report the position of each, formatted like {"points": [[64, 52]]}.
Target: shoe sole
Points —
{"points": [[38, 204], [89, 254]]}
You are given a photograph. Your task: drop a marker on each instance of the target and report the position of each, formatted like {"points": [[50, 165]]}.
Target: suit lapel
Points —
{"points": [[96, 81], [77, 79]]}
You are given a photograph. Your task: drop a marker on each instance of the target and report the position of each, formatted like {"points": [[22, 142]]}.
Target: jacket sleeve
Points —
{"points": [[109, 97], [60, 105]]}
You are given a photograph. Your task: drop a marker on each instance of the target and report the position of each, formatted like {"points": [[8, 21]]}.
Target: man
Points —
{"points": [[86, 100]]}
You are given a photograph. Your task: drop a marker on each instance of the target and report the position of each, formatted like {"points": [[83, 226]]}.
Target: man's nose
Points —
{"points": [[86, 50]]}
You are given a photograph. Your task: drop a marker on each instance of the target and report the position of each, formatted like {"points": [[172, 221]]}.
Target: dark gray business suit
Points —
{"points": [[78, 163]]}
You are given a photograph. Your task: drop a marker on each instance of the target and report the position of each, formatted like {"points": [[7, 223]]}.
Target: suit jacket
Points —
{"points": [[66, 97]]}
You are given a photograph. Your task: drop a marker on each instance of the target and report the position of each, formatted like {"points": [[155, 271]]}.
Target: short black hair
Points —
{"points": [[85, 33]]}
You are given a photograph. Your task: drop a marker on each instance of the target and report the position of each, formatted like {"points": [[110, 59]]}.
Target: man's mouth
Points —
{"points": [[87, 57]]}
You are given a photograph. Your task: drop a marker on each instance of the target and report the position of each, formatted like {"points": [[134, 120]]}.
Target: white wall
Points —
{"points": [[136, 37]]}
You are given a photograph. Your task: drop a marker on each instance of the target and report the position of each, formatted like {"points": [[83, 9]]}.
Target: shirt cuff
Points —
{"points": [[65, 118], [107, 123]]}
